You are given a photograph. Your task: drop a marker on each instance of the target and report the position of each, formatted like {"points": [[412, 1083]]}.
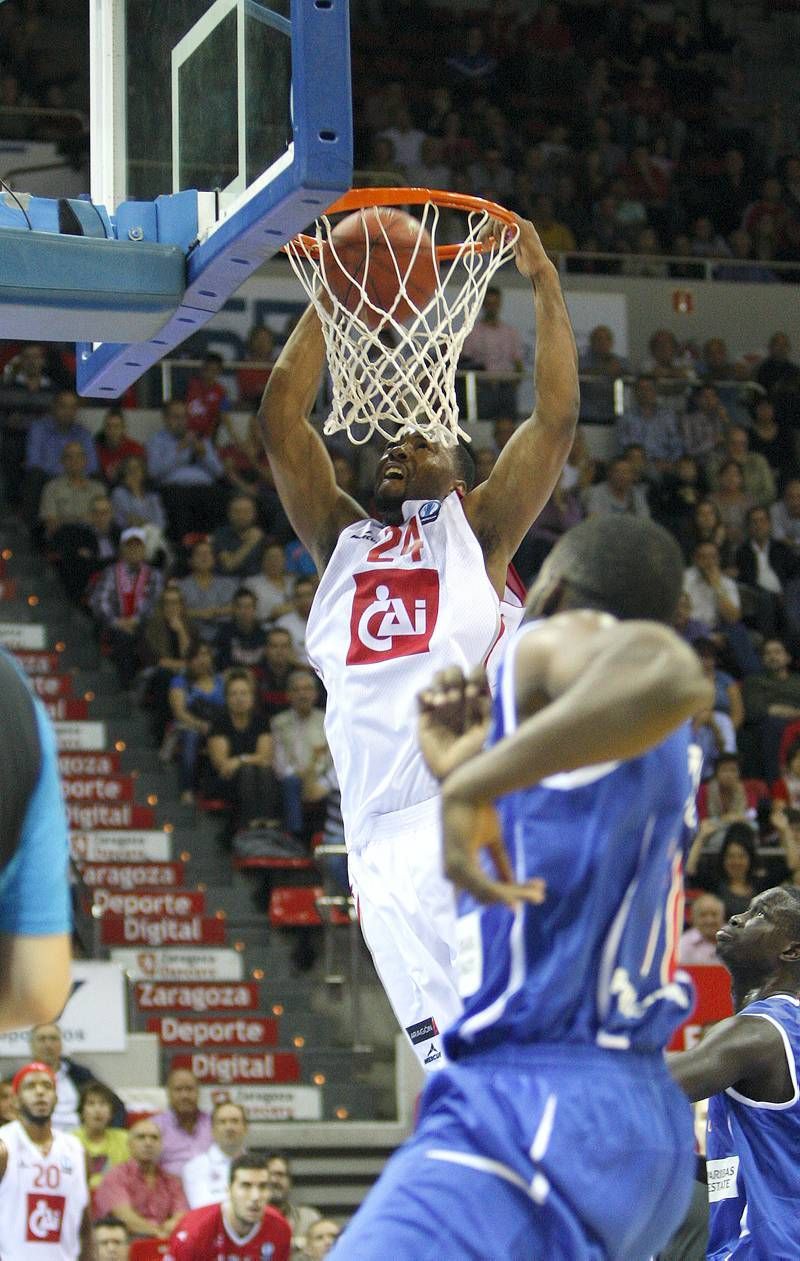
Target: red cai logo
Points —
{"points": [[45, 1215], [394, 614]]}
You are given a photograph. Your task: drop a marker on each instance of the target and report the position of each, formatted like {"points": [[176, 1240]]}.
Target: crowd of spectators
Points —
{"points": [[200, 593], [613, 130], [147, 1172]]}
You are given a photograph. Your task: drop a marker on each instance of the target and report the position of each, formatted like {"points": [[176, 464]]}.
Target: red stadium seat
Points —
{"points": [[148, 1249], [294, 907]]}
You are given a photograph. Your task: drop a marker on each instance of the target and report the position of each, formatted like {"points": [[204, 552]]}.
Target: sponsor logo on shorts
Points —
{"points": [[421, 1032], [433, 1055], [430, 511]]}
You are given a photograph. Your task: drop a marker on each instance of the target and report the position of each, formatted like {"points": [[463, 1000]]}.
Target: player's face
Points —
{"points": [[412, 468], [758, 937], [111, 1243], [280, 1183], [37, 1097], [46, 1044], [249, 1195], [229, 1128], [321, 1238], [96, 1113], [145, 1142], [182, 1090]]}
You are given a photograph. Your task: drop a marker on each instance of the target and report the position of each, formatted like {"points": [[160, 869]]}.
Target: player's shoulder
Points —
{"points": [[197, 1220], [277, 1225]]}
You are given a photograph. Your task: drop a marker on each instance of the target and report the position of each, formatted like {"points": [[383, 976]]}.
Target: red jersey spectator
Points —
{"points": [[244, 1226], [113, 446], [206, 397], [250, 382]]}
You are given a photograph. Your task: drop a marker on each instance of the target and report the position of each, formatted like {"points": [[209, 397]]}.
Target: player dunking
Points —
{"points": [[44, 1196], [399, 597], [557, 1133], [748, 1068]]}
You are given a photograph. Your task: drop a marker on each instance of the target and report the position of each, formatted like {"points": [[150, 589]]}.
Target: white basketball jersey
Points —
{"points": [[42, 1198], [396, 603]]}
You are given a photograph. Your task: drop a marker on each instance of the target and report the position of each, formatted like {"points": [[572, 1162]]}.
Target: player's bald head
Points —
{"points": [[620, 565]]}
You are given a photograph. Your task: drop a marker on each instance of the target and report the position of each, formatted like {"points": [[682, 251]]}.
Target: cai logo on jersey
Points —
{"points": [[394, 614], [45, 1215]]}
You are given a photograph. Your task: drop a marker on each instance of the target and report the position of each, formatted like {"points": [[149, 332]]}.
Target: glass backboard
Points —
{"points": [[246, 101]]}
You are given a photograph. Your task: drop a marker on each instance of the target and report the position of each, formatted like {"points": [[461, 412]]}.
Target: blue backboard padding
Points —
{"points": [[58, 288], [320, 172]]}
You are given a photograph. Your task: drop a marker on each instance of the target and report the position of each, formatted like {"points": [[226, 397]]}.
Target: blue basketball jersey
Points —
{"points": [[753, 1157], [594, 964]]}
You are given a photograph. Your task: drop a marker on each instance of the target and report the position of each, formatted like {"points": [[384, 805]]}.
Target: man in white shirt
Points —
{"points": [[714, 597], [296, 621], [206, 1177], [698, 945]]}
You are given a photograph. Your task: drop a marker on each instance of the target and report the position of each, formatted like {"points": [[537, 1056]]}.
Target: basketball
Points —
{"points": [[376, 247]]}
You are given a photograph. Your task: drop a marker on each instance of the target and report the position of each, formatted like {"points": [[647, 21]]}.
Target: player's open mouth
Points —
{"points": [[393, 473], [724, 934]]}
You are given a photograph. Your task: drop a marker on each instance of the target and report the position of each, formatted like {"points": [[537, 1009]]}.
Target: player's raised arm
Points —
{"points": [[502, 509], [302, 468], [734, 1051], [593, 691]]}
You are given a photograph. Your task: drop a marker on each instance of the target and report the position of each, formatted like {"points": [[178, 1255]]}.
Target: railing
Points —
{"points": [[470, 379]]}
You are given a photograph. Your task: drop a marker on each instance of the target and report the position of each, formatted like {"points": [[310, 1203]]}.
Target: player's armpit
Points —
{"points": [[739, 1050]]}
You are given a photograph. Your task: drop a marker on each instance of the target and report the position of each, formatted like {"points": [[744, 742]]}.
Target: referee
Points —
{"points": [[35, 911]]}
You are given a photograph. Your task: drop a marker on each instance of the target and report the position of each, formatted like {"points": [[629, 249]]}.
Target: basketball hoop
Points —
{"points": [[392, 374]]}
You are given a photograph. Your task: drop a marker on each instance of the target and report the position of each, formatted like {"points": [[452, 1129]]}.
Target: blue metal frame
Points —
{"points": [[321, 171]]}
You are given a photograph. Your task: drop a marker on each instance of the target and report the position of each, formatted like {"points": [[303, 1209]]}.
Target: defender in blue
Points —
{"points": [[556, 1132], [747, 1067]]}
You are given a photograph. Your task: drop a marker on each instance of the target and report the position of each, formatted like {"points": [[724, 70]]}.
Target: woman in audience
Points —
{"points": [[273, 587], [208, 595], [169, 638], [104, 1145], [136, 505], [732, 501], [734, 873], [240, 750], [114, 447], [196, 700], [707, 527]]}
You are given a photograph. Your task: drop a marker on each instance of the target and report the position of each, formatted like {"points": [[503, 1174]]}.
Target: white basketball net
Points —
{"points": [[401, 374]]}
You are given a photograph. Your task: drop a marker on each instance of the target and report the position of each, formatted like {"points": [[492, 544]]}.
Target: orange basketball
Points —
{"points": [[375, 248]]}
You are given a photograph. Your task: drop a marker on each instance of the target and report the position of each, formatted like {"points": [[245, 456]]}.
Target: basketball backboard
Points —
{"points": [[222, 127]]}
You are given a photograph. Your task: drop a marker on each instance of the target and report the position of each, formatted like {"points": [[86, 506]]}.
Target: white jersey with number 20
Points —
{"points": [[396, 603], [42, 1198]]}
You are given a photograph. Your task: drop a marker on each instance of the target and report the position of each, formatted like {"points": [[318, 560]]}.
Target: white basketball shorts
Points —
{"points": [[408, 918]]}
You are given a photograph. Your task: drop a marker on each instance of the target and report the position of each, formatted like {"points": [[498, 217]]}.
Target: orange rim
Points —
{"points": [[364, 198]]}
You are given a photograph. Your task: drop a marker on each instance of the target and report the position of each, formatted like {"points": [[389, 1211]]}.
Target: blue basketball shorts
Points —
{"points": [[545, 1153]]}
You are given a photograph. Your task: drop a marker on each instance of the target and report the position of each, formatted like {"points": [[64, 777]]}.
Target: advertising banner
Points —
{"points": [[132, 875], [81, 735], [197, 997], [162, 930], [249, 1031], [268, 1103], [180, 965], [713, 989], [279, 1066], [148, 845], [24, 635]]}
